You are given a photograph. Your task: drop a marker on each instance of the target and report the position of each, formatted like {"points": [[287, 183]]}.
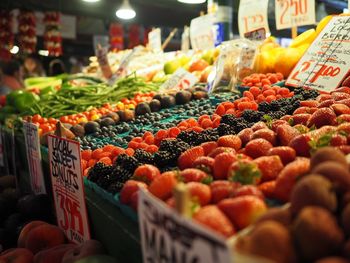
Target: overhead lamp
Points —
{"points": [[125, 11], [14, 50], [43, 52], [192, 1], [91, 1]]}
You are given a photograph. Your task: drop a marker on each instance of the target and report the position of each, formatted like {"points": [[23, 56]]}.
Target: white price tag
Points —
{"points": [[168, 237], [155, 40], [327, 61], [201, 32], [290, 13], [31, 137], [68, 188], [252, 15], [181, 79]]}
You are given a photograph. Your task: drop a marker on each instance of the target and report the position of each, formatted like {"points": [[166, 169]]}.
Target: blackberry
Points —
{"points": [[173, 146], [277, 114], [144, 157], [164, 158], [99, 169], [115, 187], [129, 163], [229, 119], [288, 109], [225, 129], [264, 107], [190, 137], [167, 169], [252, 116], [120, 174], [211, 134], [104, 181]]}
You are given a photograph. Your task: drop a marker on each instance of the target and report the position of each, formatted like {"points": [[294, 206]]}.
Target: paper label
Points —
{"points": [[31, 137], [252, 15], [327, 61], [290, 13], [201, 32], [155, 40], [168, 237], [68, 188], [181, 79], [256, 35]]}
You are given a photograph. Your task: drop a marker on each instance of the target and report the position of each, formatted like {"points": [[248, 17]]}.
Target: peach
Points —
{"points": [[43, 237], [54, 254], [17, 255], [25, 231]]}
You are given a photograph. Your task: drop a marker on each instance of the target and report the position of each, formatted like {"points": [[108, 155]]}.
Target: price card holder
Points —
{"points": [[169, 237], [68, 188], [252, 15], [155, 40], [181, 79], [327, 61], [292, 13], [202, 33], [31, 137], [256, 35]]}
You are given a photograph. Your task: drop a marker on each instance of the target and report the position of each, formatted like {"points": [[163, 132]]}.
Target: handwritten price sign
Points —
{"points": [[291, 13], [252, 15], [202, 32], [327, 61], [31, 137], [168, 237], [181, 79], [67, 187]]}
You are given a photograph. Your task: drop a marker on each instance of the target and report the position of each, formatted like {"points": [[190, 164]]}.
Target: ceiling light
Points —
{"points": [[125, 11], [14, 50], [91, 1], [44, 53], [192, 1]]}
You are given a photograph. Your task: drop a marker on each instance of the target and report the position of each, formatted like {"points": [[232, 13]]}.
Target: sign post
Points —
{"points": [[68, 188]]}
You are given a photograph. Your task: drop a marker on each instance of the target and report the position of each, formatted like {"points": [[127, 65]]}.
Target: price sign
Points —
{"points": [[290, 13], [155, 40], [252, 15], [31, 137], [202, 33], [256, 35], [168, 237], [327, 61], [181, 79], [67, 187]]}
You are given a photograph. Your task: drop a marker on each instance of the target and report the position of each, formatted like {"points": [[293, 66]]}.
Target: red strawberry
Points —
{"points": [[205, 164], [163, 185], [222, 163], [243, 210], [340, 109], [340, 96], [266, 134], [193, 175], [221, 189], [326, 104], [338, 140], [187, 158], [129, 188], [346, 82], [323, 97], [309, 103], [211, 216], [345, 102], [302, 110], [248, 190], [199, 192], [344, 127], [232, 141], [285, 133], [287, 118], [146, 173], [245, 135], [345, 149], [134, 200], [257, 148], [268, 189], [270, 167], [322, 117], [277, 123], [208, 147], [219, 150], [343, 118], [301, 118], [343, 89], [301, 128], [244, 172], [288, 177], [286, 153], [259, 125]]}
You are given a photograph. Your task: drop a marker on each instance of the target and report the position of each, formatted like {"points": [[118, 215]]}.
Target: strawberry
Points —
{"points": [[288, 177], [326, 104], [248, 190], [212, 217], [266, 134], [343, 89], [322, 117], [243, 210], [222, 163], [277, 123], [245, 135], [287, 118], [286, 153], [200, 193], [268, 189], [269, 166], [257, 147], [194, 175], [204, 163], [302, 110], [221, 189], [301, 128], [244, 172], [345, 102], [340, 95], [162, 186], [343, 118], [232, 141], [134, 200], [338, 140], [301, 118], [323, 97], [187, 158], [219, 150], [344, 128], [208, 147], [345, 149], [340, 109], [146, 173], [346, 82], [129, 188], [259, 125], [309, 103], [285, 133]]}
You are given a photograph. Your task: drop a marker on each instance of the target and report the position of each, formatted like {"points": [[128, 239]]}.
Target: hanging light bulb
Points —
{"points": [[192, 1], [91, 1], [125, 11]]}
